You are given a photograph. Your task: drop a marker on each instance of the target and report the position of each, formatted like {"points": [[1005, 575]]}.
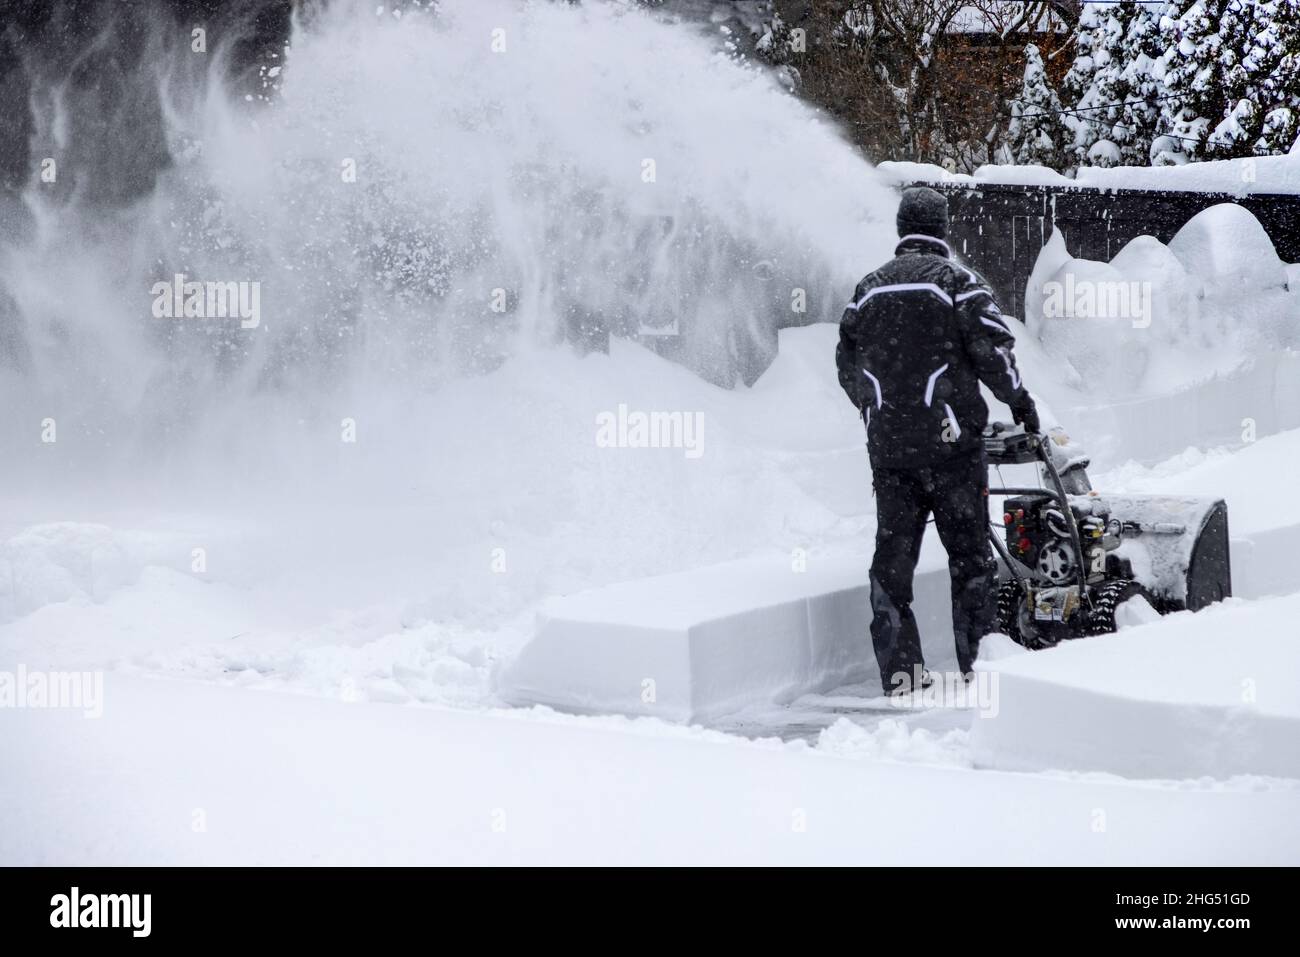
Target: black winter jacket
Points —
{"points": [[919, 336]]}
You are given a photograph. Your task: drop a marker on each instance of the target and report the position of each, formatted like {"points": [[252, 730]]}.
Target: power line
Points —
{"points": [[1104, 106], [1192, 139]]}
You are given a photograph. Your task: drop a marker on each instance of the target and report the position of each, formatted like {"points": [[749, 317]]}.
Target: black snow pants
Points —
{"points": [[957, 494]]}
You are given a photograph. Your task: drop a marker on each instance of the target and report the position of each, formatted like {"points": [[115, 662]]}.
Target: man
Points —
{"points": [[919, 336]]}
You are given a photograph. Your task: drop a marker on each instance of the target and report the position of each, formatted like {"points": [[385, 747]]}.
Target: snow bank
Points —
{"points": [[1257, 481], [1158, 319], [1050, 259], [711, 641], [1107, 347], [1241, 283], [697, 644], [1257, 398], [1211, 694]]}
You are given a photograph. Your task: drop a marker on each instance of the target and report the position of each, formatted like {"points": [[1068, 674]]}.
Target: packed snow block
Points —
{"points": [[694, 645], [689, 646], [1210, 694], [1263, 562]]}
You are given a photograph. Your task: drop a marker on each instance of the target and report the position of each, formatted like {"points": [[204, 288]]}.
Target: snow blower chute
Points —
{"points": [[1072, 557]]}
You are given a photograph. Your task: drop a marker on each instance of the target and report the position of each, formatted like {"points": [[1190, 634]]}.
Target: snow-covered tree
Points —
{"points": [[1036, 133], [1110, 68], [1078, 81], [1141, 84], [1190, 78], [1232, 78], [1271, 67], [1183, 80]]}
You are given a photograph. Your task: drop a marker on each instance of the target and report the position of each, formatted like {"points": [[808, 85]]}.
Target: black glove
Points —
{"points": [[1027, 415]]}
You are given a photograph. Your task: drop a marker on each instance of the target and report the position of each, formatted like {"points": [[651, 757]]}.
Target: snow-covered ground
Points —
{"points": [[298, 557], [194, 773], [322, 690]]}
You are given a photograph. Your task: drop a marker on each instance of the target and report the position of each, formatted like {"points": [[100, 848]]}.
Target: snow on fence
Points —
{"points": [[1003, 216]]}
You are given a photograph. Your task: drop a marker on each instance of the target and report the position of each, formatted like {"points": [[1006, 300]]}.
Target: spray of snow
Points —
{"points": [[419, 198], [197, 465]]}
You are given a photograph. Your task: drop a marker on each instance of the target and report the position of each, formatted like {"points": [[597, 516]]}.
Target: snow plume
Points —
{"points": [[420, 194]]}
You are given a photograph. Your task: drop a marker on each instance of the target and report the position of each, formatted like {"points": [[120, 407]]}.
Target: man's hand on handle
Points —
{"points": [[1027, 416]]}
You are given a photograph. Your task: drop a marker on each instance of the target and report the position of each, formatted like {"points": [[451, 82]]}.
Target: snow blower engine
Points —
{"points": [[1072, 558]]}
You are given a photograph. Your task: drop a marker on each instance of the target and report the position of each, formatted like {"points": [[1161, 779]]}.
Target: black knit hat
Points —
{"points": [[923, 210]]}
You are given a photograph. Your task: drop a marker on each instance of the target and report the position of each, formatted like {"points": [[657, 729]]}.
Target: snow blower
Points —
{"points": [[1071, 557]]}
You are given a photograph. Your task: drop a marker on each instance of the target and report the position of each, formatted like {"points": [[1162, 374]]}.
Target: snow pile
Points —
{"points": [[1159, 318], [997, 647], [81, 563], [1239, 281], [893, 740], [1210, 694], [61, 562], [1105, 344]]}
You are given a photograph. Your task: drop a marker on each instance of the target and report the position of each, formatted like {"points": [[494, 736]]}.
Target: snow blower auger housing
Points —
{"points": [[1071, 557]]}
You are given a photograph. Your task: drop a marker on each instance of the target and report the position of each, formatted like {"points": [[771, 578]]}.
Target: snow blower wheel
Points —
{"points": [[1107, 599], [1015, 620]]}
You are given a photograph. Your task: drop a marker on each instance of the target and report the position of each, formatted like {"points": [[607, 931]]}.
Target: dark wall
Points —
{"points": [[1000, 229]]}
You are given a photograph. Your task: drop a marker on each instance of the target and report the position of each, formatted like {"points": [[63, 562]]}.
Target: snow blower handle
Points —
{"points": [[1027, 415], [1007, 444]]}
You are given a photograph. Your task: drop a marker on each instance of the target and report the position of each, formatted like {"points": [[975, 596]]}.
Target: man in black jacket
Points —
{"points": [[920, 335]]}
